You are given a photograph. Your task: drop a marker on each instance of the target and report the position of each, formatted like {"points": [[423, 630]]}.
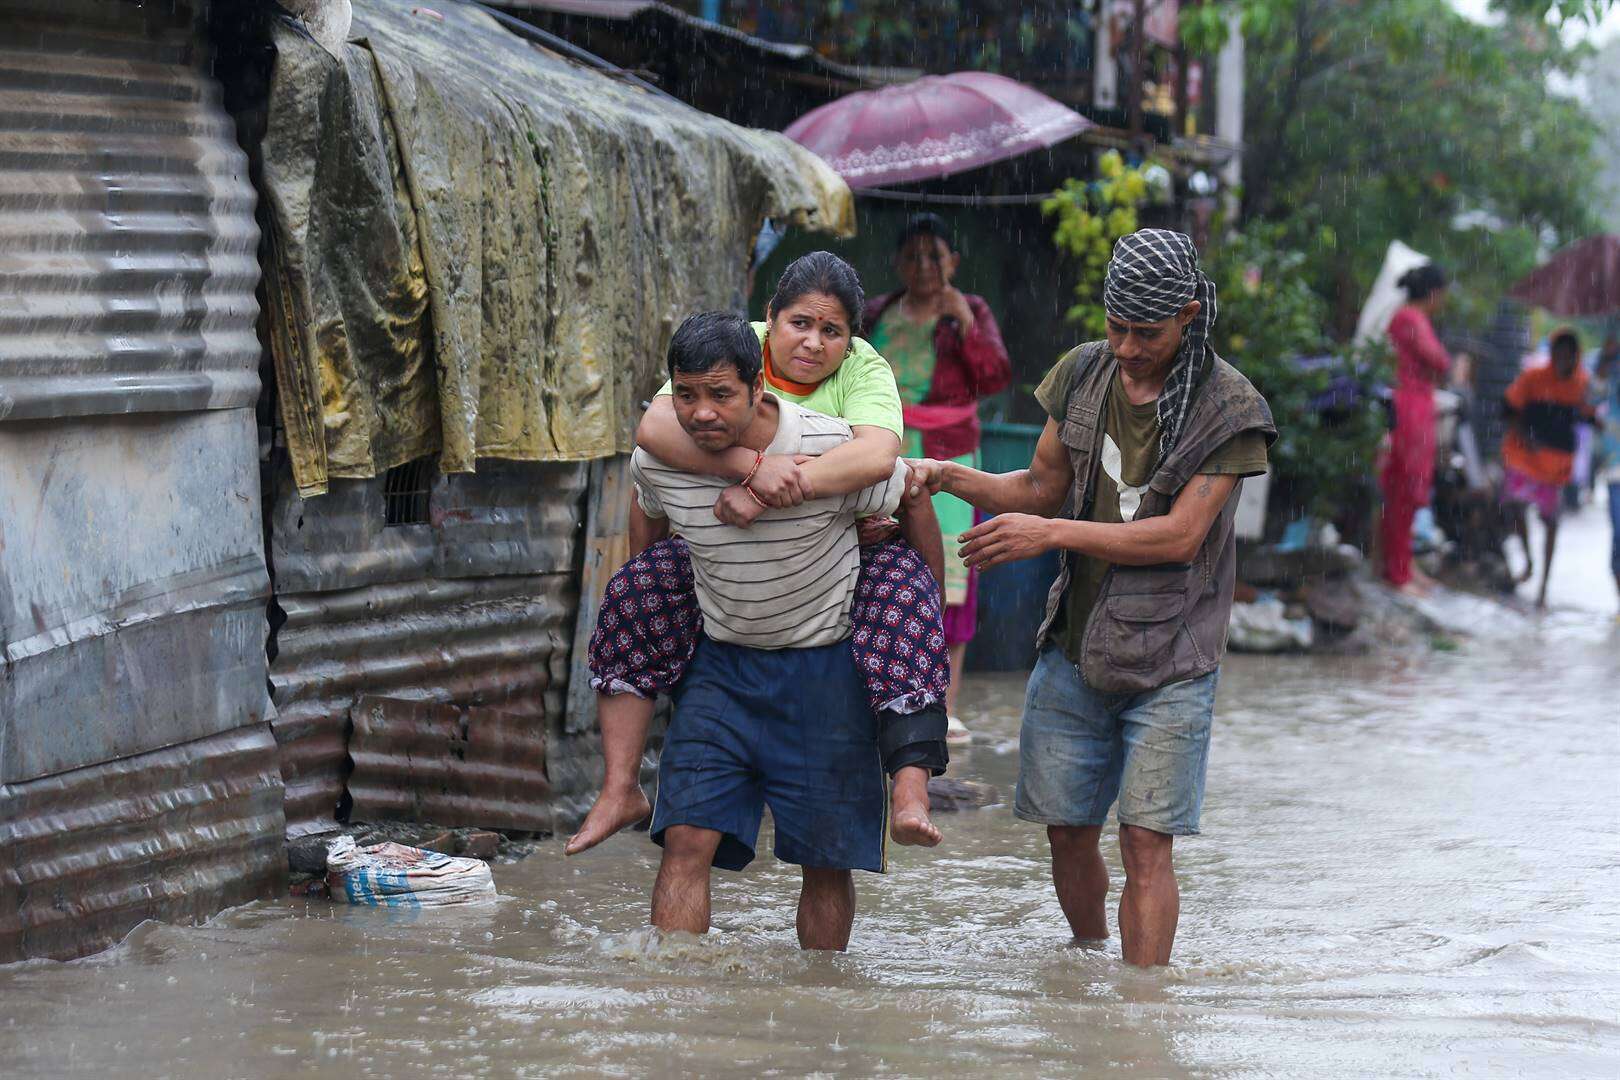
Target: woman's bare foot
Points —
{"points": [[908, 816], [612, 811]]}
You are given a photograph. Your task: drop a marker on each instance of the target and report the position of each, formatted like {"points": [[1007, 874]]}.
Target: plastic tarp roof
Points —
{"points": [[479, 249]]}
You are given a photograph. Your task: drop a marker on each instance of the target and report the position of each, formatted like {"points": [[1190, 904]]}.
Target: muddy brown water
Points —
{"points": [[1410, 867]]}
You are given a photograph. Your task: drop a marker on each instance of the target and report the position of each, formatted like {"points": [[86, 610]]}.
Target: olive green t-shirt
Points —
{"points": [[1123, 469]]}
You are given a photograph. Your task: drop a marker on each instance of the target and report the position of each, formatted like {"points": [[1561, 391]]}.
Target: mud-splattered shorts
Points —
{"points": [[1080, 750]]}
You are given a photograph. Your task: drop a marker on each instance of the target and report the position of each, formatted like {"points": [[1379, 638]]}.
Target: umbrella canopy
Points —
{"points": [[1582, 279], [935, 126]]}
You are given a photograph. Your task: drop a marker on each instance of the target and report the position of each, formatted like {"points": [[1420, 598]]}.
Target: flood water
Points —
{"points": [[1410, 867]]}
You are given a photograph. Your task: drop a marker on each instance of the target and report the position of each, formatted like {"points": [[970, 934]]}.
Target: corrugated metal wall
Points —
{"points": [[448, 764], [173, 834], [475, 606], [127, 218], [132, 577]]}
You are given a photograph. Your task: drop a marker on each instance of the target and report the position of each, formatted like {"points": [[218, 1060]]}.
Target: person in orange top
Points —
{"points": [[1538, 452]]}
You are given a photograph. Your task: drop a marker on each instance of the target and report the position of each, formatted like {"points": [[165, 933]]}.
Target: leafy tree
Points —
{"points": [[1270, 320], [1376, 120], [1091, 215]]}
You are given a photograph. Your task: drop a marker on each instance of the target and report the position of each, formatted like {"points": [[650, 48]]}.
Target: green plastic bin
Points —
{"points": [[1012, 598]]}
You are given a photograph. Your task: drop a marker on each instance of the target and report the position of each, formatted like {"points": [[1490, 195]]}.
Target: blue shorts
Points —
{"points": [[785, 728], [1079, 750], [1614, 523]]}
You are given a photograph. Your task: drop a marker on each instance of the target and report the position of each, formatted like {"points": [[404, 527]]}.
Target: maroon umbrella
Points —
{"points": [[1582, 279], [935, 126]]}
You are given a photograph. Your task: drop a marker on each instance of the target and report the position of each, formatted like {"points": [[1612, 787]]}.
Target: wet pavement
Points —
{"points": [[1410, 867]]}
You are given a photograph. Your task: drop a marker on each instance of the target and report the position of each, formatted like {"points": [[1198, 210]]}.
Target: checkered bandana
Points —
{"points": [[1152, 276]]}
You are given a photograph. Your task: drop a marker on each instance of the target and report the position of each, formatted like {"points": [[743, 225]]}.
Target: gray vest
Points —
{"points": [[1156, 625]]}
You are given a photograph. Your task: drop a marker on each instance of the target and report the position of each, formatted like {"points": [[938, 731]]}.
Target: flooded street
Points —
{"points": [[349, 348], [1411, 866]]}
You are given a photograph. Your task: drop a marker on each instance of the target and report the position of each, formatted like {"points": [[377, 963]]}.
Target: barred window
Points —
{"points": [[405, 492]]}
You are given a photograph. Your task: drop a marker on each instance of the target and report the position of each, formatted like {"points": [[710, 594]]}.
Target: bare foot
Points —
{"points": [[908, 816], [612, 811], [911, 827]]}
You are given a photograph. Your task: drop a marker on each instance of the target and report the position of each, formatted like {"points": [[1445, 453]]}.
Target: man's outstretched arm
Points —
{"points": [[1169, 538], [1039, 489]]}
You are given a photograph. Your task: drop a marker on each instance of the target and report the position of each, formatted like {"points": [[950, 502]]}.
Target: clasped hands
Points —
{"points": [[778, 483]]}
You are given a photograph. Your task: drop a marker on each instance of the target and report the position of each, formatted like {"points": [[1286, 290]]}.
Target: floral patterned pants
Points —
{"points": [[649, 624]]}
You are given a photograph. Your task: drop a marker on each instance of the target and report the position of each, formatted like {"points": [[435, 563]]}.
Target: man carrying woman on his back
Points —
{"points": [[650, 624]]}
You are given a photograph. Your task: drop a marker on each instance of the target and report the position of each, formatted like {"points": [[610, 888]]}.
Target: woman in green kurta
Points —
{"points": [[909, 348], [947, 353]]}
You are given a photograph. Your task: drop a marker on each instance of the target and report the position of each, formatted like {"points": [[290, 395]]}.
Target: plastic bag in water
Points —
{"points": [[393, 875]]}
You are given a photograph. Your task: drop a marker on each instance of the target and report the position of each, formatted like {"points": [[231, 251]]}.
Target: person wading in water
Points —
{"points": [[772, 710], [650, 620], [1149, 434]]}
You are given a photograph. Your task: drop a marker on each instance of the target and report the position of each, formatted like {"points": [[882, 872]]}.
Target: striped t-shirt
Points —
{"points": [[788, 580]]}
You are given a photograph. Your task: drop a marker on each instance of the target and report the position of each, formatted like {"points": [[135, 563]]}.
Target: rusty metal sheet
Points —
{"points": [[132, 586], [508, 518], [128, 245], [131, 546], [501, 642], [448, 764], [176, 834]]}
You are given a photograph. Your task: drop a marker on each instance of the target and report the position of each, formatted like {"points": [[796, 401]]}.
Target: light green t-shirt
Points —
{"points": [[860, 392]]}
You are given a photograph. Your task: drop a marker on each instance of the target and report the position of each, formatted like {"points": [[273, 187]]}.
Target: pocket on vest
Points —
{"points": [[1139, 629], [1078, 436]]}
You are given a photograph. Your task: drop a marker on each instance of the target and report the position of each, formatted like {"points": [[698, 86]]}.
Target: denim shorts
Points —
{"points": [[786, 728], [1079, 750], [1614, 524]]}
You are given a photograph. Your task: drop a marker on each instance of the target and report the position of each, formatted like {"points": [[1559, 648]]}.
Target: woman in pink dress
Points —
{"points": [[1421, 363]]}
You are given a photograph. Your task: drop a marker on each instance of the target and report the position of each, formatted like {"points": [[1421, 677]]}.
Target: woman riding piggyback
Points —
{"points": [[650, 623]]}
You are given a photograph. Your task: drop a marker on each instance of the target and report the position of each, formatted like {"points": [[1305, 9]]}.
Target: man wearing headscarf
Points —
{"points": [[1135, 480]]}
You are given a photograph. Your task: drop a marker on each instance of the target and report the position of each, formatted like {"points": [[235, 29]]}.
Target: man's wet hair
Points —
{"points": [[1420, 281], [709, 339], [926, 225], [822, 272]]}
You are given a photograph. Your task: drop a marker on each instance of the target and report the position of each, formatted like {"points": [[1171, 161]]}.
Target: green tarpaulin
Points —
{"points": [[479, 249]]}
